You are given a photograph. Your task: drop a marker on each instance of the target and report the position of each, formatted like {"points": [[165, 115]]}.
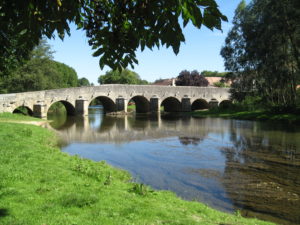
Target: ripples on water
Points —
{"points": [[253, 167]]}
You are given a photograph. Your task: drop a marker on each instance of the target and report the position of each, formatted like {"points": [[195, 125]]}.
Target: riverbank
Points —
{"points": [[18, 118], [248, 115], [42, 185]]}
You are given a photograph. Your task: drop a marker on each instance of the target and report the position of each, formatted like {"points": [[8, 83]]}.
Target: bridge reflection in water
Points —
{"points": [[98, 127], [230, 165]]}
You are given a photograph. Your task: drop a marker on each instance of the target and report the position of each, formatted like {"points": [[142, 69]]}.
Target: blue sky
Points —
{"points": [[201, 51]]}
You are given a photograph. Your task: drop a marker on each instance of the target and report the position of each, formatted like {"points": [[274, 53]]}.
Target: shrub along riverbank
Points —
{"points": [[249, 115], [41, 185]]}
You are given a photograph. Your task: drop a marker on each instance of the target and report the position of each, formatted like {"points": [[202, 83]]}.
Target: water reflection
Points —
{"points": [[98, 127], [190, 140], [262, 173], [230, 165]]}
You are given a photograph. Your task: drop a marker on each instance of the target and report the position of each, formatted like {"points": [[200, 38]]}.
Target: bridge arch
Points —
{"points": [[199, 104], [22, 109], [142, 104], [107, 103], [225, 104], [213, 103], [171, 104], [70, 109]]}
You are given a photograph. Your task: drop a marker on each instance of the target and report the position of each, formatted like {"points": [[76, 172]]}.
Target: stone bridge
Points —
{"points": [[115, 97]]}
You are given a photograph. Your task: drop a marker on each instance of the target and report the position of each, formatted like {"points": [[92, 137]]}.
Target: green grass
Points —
{"points": [[41, 185], [10, 117], [248, 115], [131, 107]]}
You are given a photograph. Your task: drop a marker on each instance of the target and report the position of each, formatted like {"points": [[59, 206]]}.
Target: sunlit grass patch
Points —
{"points": [[17, 117]]}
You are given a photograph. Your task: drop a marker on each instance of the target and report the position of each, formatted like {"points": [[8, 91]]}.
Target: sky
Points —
{"points": [[201, 51]]}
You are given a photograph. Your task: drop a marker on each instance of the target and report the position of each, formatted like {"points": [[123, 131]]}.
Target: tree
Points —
{"points": [[186, 78], [40, 72], [234, 57], [12, 53], [23, 24], [115, 28], [124, 77], [207, 73], [83, 82], [262, 50]]}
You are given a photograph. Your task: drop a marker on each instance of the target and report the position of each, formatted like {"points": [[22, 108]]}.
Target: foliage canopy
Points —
{"points": [[83, 82], [207, 73], [40, 72], [262, 51], [115, 28], [121, 77]]}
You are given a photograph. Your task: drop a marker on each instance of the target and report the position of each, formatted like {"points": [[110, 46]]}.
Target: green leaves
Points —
{"points": [[207, 3], [210, 21], [115, 29], [40, 72], [23, 23], [139, 24], [83, 82], [191, 12], [262, 52], [123, 76], [100, 51]]}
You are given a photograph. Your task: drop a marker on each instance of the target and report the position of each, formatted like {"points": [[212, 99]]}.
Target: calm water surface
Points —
{"points": [[231, 165]]}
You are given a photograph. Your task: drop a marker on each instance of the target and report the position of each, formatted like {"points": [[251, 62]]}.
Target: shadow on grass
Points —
{"points": [[3, 212]]}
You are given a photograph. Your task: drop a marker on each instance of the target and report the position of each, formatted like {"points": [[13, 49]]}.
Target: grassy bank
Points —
{"points": [[41, 185], [248, 115], [13, 117]]}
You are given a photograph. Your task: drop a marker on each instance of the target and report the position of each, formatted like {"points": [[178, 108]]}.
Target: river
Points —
{"points": [[231, 165]]}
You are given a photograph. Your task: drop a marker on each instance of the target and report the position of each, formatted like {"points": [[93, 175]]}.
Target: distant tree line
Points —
{"points": [[124, 76], [83, 82], [40, 72], [207, 73]]}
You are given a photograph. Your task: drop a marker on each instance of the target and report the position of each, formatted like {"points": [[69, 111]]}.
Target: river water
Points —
{"points": [[230, 165]]}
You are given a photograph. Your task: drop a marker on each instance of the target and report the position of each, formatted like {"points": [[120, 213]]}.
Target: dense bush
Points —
{"points": [[187, 78]]}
